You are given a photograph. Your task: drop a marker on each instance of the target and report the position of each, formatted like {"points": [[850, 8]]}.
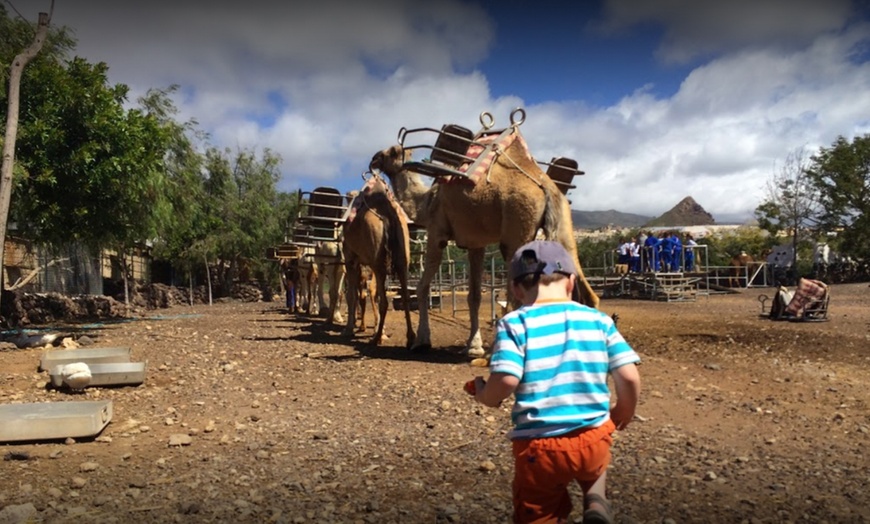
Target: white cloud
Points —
{"points": [[326, 85]]}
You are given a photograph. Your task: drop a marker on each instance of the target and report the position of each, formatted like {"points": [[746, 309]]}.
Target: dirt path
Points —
{"points": [[741, 419]]}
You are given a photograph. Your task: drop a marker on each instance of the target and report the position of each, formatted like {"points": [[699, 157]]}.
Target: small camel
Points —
{"points": [[367, 292], [306, 275], [322, 229], [508, 208], [738, 266], [376, 235]]}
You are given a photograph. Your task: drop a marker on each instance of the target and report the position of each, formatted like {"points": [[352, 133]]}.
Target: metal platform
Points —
{"points": [[53, 420], [59, 357], [117, 374]]}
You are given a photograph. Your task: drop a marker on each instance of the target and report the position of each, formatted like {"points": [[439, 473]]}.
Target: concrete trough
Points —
{"points": [[113, 374], [53, 420], [60, 357]]}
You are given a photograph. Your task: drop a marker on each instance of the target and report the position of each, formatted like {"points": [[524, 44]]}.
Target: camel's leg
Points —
{"points": [[335, 285], [373, 298], [381, 275], [474, 347], [423, 342], [352, 299], [361, 301], [403, 286], [313, 285]]}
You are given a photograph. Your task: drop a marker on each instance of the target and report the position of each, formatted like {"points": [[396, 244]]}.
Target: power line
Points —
{"points": [[16, 11]]}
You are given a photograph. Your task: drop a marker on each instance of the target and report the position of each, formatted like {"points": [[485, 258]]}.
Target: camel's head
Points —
{"points": [[390, 160], [351, 195]]}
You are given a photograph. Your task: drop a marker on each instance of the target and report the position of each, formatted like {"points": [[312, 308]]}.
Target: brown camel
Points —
{"points": [[319, 231], [367, 292], [305, 278], [376, 234], [507, 208], [738, 268]]}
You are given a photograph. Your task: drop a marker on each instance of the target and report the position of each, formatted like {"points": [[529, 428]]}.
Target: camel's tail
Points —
{"points": [[552, 212], [397, 241]]}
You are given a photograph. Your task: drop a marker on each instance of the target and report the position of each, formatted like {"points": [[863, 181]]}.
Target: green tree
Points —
{"points": [[841, 174], [247, 213], [185, 233], [791, 204], [93, 170]]}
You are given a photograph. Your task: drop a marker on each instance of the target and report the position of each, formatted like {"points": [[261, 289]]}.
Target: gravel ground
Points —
{"points": [[251, 414]]}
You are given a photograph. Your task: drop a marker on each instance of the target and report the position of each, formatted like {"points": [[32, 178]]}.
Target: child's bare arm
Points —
{"points": [[627, 381], [499, 387]]}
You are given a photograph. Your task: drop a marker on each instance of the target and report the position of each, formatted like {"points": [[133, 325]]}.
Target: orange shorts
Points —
{"points": [[545, 467]]}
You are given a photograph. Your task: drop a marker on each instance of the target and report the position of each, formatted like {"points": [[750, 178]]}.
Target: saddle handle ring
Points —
{"points": [[401, 137], [518, 121], [487, 120]]}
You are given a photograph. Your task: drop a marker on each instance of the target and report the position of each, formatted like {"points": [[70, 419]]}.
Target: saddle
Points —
{"points": [[460, 155], [374, 185]]}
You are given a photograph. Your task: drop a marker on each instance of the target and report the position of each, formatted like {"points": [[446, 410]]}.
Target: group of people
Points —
{"points": [[666, 252]]}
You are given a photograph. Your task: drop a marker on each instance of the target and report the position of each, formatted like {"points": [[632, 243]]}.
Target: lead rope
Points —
{"points": [[499, 151]]}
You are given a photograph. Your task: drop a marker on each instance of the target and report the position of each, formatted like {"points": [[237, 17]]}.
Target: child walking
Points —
{"points": [[554, 356]]}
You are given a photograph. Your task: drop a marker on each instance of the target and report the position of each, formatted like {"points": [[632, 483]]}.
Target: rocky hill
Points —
{"points": [[686, 213], [599, 219]]}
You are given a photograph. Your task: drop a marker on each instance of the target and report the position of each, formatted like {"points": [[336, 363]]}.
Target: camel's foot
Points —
{"points": [[378, 340], [474, 347], [421, 348], [473, 352]]}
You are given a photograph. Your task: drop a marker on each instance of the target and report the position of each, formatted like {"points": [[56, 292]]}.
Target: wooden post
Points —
{"points": [[15, 72]]}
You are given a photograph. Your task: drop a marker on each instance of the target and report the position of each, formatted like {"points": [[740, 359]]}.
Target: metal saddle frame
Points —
{"points": [[451, 147]]}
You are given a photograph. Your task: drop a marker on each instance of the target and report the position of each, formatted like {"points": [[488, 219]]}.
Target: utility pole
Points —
{"points": [[15, 71]]}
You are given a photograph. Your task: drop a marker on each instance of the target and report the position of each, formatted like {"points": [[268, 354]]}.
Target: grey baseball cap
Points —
{"points": [[541, 257]]}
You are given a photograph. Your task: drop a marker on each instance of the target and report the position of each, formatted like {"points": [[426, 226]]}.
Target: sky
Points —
{"points": [[656, 101]]}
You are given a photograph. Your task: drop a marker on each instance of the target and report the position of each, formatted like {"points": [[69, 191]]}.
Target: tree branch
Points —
{"points": [[21, 282]]}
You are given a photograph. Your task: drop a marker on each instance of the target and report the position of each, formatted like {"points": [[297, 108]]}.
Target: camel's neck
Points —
{"points": [[412, 195]]}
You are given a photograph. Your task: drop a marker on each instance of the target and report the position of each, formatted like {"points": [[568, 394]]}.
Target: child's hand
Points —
{"points": [[474, 385], [621, 416]]}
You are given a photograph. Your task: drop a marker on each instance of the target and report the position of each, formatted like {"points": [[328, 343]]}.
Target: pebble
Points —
{"points": [[88, 466], [180, 439], [487, 465], [78, 482]]}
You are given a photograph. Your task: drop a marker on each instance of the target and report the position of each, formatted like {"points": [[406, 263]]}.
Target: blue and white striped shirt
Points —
{"points": [[561, 352]]}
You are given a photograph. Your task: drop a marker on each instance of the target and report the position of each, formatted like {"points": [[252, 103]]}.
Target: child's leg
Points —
{"points": [[595, 500]]}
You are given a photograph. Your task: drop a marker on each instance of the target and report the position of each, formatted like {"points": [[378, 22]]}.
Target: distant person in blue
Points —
{"points": [[666, 248], [676, 253], [689, 252], [651, 252]]}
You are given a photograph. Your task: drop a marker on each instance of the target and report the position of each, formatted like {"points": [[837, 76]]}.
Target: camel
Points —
{"points": [[739, 265], [376, 234], [290, 281], [515, 200], [304, 274], [318, 233], [367, 288], [330, 272], [367, 292]]}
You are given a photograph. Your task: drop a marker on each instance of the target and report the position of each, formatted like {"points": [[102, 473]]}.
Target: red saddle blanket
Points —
{"points": [[483, 151], [808, 293]]}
